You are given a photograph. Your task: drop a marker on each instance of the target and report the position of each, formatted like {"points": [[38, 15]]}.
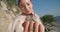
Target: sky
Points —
{"points": [[43, 7]]}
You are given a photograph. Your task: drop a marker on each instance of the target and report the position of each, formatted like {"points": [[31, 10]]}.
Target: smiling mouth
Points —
{"points": [[27, 12]]}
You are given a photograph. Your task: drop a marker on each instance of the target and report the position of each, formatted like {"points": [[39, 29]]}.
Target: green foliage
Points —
{"points": [[10, 2], [48, 18]]}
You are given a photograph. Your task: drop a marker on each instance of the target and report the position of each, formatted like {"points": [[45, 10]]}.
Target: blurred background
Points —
{"points": [[48, 10]]}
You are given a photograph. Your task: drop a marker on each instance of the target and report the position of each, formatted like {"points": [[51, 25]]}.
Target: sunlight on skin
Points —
{"points": [[26, 6]]}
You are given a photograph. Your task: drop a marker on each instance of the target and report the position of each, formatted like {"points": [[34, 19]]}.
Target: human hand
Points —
{"points": [[31, 26]]}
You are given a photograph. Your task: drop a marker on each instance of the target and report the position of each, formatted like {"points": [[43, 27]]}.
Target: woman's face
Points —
{"points": [[26, 6]]}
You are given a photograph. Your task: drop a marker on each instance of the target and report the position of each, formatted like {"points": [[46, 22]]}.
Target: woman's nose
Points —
{"points": [[26, 7]]}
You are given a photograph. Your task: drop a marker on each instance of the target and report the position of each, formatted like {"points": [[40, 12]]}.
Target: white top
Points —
{"points": [[17, 23]]}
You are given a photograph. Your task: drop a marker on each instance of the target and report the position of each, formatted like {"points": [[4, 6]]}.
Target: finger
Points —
{"points": [[31, 26], [26, 25], [36, 27], [41, 28]]}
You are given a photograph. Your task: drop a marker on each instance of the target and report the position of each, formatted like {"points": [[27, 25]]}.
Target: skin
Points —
{"points": [[29, 26], [26, 6]]}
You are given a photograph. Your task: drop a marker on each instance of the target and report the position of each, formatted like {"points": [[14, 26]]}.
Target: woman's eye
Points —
{"points": [[28, 4], [22, 7]]}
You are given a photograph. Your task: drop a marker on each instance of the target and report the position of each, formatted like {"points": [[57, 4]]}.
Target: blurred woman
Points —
{"points": [[28, 21]]}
